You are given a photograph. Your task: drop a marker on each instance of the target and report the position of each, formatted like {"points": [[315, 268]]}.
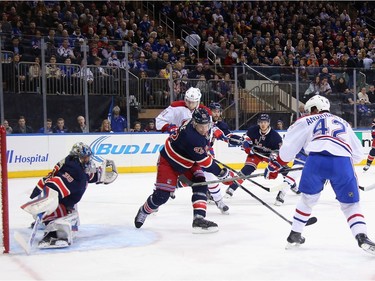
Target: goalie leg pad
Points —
{"points": [[46, 203], [60, 230]]}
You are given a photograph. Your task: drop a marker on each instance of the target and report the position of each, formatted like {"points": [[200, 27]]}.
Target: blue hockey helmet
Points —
{"points": [[264, 117], [215, 105], [201, 116]]}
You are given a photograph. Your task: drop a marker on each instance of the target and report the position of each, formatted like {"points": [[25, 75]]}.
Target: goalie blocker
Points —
{"points": [[55, 196]]}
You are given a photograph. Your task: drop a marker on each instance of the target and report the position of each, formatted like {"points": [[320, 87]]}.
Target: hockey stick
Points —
{"points": [[367, 188], [252, 181], [20, 239], [188, 182], [310, 221]]}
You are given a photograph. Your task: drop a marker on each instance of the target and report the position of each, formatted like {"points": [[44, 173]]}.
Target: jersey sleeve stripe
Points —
{"points": [[60, 185], [172, 154]]}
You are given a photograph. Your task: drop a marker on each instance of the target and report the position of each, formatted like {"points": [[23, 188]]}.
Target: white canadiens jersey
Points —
{"points": [[176, 114], [318, 133]]}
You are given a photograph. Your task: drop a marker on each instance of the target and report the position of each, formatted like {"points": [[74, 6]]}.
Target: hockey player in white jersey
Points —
{"points": [[332, 147], [171, 118]]}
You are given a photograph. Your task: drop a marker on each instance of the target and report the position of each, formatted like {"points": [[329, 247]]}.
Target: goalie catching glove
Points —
{"points": [[107, 172]]}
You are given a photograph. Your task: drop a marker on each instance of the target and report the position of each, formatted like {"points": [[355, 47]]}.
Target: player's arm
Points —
{"points": [[163, 120]]}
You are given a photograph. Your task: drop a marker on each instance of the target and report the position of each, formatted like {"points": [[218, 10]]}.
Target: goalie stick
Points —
{"points": [[27, 246]]}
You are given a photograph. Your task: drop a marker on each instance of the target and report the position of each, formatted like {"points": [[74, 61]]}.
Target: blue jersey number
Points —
{"points": [[335, 131]]}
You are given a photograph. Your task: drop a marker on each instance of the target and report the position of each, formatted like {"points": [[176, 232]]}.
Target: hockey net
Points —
{"points": [[4, 220]]}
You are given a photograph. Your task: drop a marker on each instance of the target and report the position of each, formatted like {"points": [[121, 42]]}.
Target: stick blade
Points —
{"points": [[367, 188], [311, 221], [22, 242]]}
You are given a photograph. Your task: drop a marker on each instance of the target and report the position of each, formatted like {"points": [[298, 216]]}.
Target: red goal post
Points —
{"points": [[4, 207]]}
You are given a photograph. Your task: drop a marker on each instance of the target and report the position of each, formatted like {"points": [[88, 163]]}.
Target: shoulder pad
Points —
{"points": [[178, 103]]}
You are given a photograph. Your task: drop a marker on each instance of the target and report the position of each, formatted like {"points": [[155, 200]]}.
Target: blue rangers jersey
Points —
{"points": [[188, 147], [271, 140]]}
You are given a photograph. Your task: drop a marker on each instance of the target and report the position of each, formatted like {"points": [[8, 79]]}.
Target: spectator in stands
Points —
{"points": [[81, 125], [118, 122], [53, 75], [280, 125], [348, 97], [341, 85], [60, 127], [364, 113], [103, 82], [36, 43], [325, 88], [371, 94], [313, 88], [22, 127], [105, 127], [197, 72], [65, 51], [362, 95], [161, 89], [16, 47], [137, 127], [7, 127], [48, 127], [150, 127]]}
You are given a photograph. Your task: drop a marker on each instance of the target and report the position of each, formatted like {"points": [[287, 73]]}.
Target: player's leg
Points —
{"points": [[199, 202], [215, 191], [370, 158], [345, 186], [311, 184], [59, 233], [166, 181], [251, 164]]}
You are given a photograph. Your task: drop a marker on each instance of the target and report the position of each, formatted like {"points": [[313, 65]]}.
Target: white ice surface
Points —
{"points": [[250, 244]]}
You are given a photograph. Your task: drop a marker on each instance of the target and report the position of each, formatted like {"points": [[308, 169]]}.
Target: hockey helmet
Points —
{"points": [[215, 105], [321, 103], [193, 94], [81, 151], [201, 116], [264, 117]]}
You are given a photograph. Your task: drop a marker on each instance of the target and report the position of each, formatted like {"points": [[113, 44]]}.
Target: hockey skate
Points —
{"points": [[229, 193], [50, 241], [279, 198], [294, 188], [201, 225], [295, 239], [210, 199], [365, 243], [140, 218], [222, 207], [365, 168]]}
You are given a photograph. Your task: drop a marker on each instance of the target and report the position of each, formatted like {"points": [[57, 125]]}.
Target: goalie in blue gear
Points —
{"points": [[56, 195]]}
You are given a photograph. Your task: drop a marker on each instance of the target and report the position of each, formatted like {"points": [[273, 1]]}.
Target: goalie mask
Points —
{"points": [[82, 152]]}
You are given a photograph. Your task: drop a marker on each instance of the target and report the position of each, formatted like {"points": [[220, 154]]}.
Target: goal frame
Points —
{"points": [[4, 191]]}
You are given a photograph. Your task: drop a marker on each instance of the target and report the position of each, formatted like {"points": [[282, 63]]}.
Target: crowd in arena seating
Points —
{"points": [[326, 41]]}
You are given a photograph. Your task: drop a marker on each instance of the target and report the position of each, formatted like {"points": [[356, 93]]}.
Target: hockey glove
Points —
{"points": [[234, 140], [172, 129], [219, 134], [107, 172], [226, 174], [247, 145], [273, 168]]}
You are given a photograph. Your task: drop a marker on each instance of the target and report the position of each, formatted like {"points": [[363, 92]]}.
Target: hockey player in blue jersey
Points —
{"points": [[57, 194], [371, 155], [260, 140], [332, 147], [220, 131], [185, 152]]}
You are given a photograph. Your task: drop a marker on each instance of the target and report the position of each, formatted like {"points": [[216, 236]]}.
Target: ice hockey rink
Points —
{"points": [[250, 244]]}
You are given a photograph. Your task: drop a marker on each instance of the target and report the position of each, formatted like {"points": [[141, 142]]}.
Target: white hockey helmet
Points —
{"points": [[320, 102], [193, 94]]}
